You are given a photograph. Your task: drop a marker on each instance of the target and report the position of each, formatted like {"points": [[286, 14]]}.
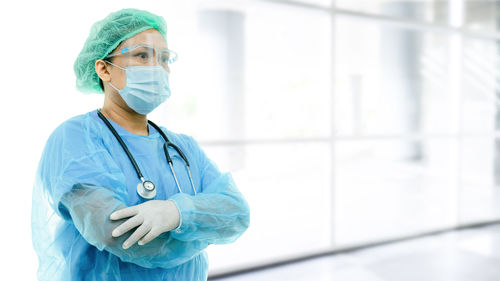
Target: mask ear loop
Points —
{"points": [[113, 86]]}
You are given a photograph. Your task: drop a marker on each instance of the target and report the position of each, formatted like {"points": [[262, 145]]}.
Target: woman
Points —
{"points": [[113, 201]]}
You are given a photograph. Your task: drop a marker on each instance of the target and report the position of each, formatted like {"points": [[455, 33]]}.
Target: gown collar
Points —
{"points": [[122, 131]]}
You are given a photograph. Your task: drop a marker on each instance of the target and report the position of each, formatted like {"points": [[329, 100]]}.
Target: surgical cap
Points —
{"points": [[105, 36]]}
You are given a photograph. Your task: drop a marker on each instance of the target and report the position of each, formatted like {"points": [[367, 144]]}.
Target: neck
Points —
{"points": [[127, 118]]}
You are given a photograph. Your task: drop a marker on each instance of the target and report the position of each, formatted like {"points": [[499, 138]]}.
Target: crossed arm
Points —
{"points": [[89, 208], [219, 215]]}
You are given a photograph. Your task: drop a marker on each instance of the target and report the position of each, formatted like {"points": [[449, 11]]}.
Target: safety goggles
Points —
{"points": [[143, 54]]}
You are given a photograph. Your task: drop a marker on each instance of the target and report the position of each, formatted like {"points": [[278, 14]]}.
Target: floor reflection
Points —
{"points": [[471, 254]]}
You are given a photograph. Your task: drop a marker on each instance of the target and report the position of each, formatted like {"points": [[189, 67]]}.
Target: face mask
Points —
{"points": [[147, 87]]}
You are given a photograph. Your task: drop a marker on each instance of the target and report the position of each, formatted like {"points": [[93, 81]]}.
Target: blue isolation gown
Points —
{"points": [[84, 175]]}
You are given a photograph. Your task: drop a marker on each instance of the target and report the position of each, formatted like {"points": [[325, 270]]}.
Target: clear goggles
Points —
{"points": [[143, 54]]}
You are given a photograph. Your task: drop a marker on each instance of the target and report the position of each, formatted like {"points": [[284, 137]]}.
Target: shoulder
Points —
{"points": [[74, 132], [68, 142], [73, 124]]}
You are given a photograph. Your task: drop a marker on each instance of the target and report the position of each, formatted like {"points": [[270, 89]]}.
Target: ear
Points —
{"points": [[101, 68]]}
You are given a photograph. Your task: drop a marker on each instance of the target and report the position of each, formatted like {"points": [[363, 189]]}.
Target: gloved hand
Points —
{"points": [[153, 218]]}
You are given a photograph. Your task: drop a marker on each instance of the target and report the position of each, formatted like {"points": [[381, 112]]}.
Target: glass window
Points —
{"points": [[257, 77], [435, 11], [391, 80], [481, 15], [480, 86], [324, 3], [391, 188], [479, 180]]}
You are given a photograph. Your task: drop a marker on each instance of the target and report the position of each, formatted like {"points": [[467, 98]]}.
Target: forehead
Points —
{"points": [[150, 37]]}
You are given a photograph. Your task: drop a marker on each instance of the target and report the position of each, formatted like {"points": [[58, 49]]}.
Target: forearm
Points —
{"points": [[90, 206], [217, 216]]}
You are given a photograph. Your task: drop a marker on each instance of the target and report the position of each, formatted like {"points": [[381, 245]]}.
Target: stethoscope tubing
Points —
{"points": [[122, 144], [165, 149]]}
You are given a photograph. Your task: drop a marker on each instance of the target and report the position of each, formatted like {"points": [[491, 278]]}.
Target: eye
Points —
{"points": [[142, 55]]}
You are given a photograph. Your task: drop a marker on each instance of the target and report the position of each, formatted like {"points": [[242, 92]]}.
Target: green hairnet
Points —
{"points": [[105, 36]]}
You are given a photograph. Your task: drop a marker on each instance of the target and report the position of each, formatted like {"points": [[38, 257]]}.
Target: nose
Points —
{"points": [[155, 61], [158, 62]]}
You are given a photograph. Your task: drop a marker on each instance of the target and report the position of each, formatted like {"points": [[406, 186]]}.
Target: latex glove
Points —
{"points": [[152, 219]]}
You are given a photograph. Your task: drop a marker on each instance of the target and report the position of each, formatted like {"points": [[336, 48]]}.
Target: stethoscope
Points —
{"points": [[146, 188]]}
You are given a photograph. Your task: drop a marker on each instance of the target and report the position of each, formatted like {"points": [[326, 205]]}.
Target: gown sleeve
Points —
{"points": [[84, 186], [89, 206], [219, 214]]}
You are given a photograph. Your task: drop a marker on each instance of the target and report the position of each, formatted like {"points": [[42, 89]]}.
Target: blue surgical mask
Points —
{"points": [[146, 88]]}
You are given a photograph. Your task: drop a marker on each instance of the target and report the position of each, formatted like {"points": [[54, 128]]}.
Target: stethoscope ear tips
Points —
{"points": [[146, 189]]}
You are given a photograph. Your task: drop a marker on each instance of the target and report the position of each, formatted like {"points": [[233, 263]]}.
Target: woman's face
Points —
{"points": [[115, 75]]}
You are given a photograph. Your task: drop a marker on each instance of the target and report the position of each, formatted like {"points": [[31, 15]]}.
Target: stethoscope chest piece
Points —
{"points": [[146, 189]]}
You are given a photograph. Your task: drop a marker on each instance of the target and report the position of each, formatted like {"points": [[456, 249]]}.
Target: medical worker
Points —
{"points": [[117, 197]]}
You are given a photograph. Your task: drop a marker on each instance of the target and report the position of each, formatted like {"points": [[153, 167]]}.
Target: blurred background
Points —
{"points": [[345, 124]]}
